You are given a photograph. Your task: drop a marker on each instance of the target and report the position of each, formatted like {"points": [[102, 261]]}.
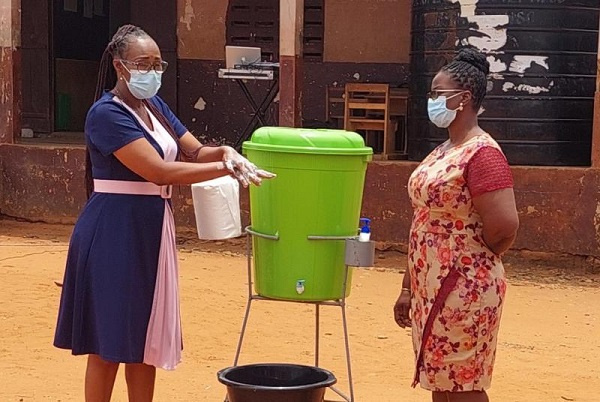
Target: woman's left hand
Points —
{"points": [[243, 170], [402, 310]]}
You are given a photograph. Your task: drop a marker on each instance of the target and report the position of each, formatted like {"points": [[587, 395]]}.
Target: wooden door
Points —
{"points": [[254, 24], [36, 67]]}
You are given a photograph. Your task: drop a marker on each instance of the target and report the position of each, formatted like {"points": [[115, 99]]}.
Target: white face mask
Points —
{"points": [[144, 85], [438, 111]]}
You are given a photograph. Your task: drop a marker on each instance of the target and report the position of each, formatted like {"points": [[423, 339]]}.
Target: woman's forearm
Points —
{"points": [[499, 239], [211, 154], [500, 245], [188, 173], [406, 280]]}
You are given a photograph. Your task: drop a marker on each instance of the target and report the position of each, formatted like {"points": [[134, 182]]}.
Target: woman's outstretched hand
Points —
{"points": [[243, 170]]}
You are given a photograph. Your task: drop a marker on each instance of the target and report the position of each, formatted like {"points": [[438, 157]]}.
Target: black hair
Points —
{"points": [[107, 79], [469, 69], [115, 49]]}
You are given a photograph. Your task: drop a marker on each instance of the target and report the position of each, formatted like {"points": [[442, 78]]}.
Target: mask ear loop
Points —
{"points": [[121, 78], [125, 67], [461, 107]]}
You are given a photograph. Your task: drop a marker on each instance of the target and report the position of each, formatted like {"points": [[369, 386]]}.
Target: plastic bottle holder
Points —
{"points": [[360, 253]]}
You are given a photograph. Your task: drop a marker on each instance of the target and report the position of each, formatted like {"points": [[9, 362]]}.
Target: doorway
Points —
{"points": [[62, 44], [79, 36]]}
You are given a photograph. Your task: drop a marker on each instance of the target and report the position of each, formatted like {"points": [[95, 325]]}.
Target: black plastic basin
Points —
{"points": [[276, 383]]}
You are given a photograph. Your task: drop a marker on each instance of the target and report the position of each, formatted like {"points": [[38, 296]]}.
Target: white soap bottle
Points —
{"points": [[365, 230]]}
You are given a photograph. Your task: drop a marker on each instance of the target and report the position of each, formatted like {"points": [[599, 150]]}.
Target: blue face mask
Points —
{"points": [[144, 85], [438, 112]]}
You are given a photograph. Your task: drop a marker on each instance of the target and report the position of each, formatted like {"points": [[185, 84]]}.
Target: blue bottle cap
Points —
{"points": [[365, 225]]}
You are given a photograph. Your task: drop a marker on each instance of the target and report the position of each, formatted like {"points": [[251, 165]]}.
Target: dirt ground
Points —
{"points": [[549, 348]]}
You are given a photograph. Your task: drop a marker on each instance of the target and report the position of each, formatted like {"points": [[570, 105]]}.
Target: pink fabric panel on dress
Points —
{"points": [[163, 338]]}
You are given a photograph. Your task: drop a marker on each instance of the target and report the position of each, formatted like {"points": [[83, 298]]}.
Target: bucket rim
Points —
{"points": [[291, 149], [329, 381]]}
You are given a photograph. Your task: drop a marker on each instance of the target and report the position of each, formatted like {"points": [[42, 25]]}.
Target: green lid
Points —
{"points": [[307, 141]]}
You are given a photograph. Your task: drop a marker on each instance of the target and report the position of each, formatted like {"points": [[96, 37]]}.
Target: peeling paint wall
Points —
{"points": [[489, 34], [42, 183], [46, 184], [10, 74], [10, 36], [188, 15], [201, 29], [216, 109], [542, 56], [597, 223], [5, 23]]}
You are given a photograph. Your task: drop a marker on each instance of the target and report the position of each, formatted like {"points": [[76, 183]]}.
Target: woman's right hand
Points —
{"points": [[402, 310], [243, 170]]}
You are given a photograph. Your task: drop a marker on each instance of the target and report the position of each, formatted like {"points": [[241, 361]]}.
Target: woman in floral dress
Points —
{"points": [[464, 218]]}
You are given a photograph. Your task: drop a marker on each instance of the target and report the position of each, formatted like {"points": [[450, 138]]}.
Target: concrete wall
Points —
{"points": [[41, 183], [10, 73], [366, 31], [355, 30], [216, 108], [559, 207]]}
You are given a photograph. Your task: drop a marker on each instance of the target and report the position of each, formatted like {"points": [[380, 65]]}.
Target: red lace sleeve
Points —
{"points": [[488, 171]]}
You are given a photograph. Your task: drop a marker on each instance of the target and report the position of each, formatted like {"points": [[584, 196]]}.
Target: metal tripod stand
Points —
{"points": [[337, 303]]}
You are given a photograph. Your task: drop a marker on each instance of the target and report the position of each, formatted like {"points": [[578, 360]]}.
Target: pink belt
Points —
{"points": [[132, 188]]}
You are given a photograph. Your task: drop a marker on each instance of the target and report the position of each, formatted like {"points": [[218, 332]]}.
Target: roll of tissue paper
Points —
{"points": [[217, 208]]}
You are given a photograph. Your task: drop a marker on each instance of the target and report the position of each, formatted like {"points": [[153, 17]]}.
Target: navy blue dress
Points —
{"points": [[111, 265]]}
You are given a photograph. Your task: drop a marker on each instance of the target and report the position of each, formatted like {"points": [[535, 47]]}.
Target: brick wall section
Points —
{"points": [[559, 207]]}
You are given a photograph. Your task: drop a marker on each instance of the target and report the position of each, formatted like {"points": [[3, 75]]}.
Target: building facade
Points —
{"points": [[541, 103]]}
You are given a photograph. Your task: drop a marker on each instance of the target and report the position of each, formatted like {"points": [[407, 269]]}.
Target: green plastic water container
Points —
{"points": [[63, 111], [318, 192]]}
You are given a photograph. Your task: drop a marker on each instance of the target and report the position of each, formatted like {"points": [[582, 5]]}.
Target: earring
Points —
{"points": [[461, 106], [121, 78]]}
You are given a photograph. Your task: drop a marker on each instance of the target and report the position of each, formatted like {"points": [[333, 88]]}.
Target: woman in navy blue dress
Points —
{"points": [[120, 301]]}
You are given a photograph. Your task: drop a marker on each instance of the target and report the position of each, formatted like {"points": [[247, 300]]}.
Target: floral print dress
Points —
{"points": [[458, 283]]}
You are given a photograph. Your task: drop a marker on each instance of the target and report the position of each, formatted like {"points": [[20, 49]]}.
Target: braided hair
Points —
{"points": [[116, 48], [107, 79], [469, 69]]}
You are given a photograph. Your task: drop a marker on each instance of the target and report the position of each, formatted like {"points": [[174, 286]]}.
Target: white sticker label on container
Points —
{"points": [[300, 286]]}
